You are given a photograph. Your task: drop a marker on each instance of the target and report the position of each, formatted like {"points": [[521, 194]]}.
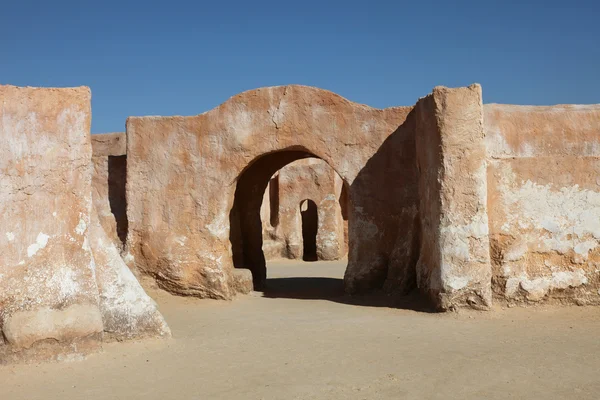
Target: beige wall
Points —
{"points": [[183, 174], [47, 280], [454, 261], [544, 202]]}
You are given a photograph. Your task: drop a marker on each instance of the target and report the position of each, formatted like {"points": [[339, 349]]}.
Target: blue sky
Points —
{"points": [[184, 58]]}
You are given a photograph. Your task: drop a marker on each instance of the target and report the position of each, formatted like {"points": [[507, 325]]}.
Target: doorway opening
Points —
{"points": [[310, 226], [255, 184]]}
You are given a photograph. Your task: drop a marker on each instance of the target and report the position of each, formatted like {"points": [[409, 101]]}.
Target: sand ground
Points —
{"points": [[304, 340]]}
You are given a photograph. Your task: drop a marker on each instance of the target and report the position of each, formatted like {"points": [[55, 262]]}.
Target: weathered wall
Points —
{"points": [[109, 158], [310, 179], [544, 202], [182, 175], [127, 311], [48, 291], [454, 265], [62, 282]]}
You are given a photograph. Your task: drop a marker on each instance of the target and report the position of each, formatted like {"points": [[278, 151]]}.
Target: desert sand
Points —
{"points": [[302, 339]]}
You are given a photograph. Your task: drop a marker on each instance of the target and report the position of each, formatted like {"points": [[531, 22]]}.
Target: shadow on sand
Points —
{"points": [[332, 289]]}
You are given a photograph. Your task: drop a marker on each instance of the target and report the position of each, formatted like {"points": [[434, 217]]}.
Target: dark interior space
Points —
{"points": [[274, 201], [244, 218], [310, 224], [117, 179]]}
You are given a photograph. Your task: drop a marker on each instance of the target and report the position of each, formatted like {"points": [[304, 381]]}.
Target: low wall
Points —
{"points": [[544, 202]]}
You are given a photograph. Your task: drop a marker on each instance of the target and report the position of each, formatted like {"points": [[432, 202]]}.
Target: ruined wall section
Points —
{"points": [[109, 158], [454, 265], [63, 285], [544, 202], [49, 303], [182, 174]]}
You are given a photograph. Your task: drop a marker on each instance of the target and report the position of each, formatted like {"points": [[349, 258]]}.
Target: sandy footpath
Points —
{"points": [[306, 341]]}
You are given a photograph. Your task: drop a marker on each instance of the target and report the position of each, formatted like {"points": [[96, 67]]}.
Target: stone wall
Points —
{"points": [[306, 179], [544, 202]]}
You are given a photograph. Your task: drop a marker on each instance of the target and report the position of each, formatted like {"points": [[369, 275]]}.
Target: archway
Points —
{"points": [[245, 221], [310, 225], [205, 173]]}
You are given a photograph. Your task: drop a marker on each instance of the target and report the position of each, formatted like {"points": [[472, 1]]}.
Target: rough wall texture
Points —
{"points": [[127, 311], [311, 179], [544, 202], [108, 184], [62, 281], [48, 291], [183, 174], [454, 264]]}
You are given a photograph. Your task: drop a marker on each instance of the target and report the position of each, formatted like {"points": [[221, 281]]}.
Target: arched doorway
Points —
{"points": [[209, 172], [244, 218], [310, 226]]}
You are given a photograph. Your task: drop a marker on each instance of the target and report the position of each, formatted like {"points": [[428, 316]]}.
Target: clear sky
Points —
{"points": [[183, 58]]}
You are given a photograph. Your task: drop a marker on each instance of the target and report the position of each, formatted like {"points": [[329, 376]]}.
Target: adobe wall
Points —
{"points": [[454, 265], [310, 179], [109, 158], [63, 286], [544, 202], [182, 175], [462, 200], [47, 278]]}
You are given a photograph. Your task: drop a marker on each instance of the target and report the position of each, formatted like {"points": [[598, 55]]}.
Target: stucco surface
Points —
{"points": [[183, 172], [454, 264], [48, 286], [127, 311], [544, 201]]}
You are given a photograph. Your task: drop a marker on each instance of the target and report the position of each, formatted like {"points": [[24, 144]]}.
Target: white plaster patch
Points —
{"points": [[216, 272], [368, 126], [457, 282], [539, 287], [65, 280], [456, 240], [516, 251], [40, 242], [219, 227], [10, 236], [585, 247], [128, 258], [81, 227], [554, 219], [550, 225], [86, 245]]}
